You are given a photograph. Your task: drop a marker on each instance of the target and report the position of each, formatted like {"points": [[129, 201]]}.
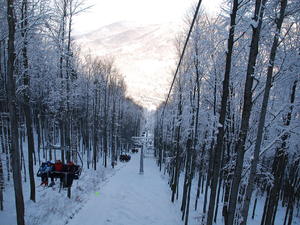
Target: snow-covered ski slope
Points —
{"points": [[119, 196], [129, 198]]}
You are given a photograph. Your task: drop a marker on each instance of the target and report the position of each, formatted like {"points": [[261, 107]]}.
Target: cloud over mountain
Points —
{"points": [[145, 55]]}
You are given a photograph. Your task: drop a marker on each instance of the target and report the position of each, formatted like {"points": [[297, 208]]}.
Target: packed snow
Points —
{"points": [[119, 196], [131, 198]]}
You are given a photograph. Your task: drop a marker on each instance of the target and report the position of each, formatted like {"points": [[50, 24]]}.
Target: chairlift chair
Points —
{"points": [[67, 175]]}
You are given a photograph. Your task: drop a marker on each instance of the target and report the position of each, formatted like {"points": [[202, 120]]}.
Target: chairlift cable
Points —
{"points": [[182, 54]]}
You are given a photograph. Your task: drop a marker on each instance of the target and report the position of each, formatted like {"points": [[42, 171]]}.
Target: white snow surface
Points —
{"points": [[53, 207], [119, 196], [131, 198]]}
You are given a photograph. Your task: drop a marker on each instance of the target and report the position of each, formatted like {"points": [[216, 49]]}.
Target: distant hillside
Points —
{"points": [[145, 54]]}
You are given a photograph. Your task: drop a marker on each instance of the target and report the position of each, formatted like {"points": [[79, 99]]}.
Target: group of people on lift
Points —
{"points": [[65, 172]]}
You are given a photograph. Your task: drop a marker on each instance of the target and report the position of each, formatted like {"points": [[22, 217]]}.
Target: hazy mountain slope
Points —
{"points": [[145, 55]]}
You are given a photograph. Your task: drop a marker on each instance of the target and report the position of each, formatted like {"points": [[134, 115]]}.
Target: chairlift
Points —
{"points": [[68, 172], [134, 150], [124, 157]]}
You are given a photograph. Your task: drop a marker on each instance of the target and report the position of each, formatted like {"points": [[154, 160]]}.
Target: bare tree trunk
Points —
{"points": [[220, 136], [62, 31], [68, 144], [2, 135], [200, 179], [160, 156], [279, 165], [247, 107], [7, 147], [208, 177], [254, 207], [26, 105], [62, 38], [113, 147], [211, 155], [86, 138], [1, 185], [219, 187], [42, 126], [38, 130], [195, 142], [62, 141], [186, 177], [262, 117], [174, 186], [95, 130], [188, 162], [105, 125], [291, 214], [263, 218], [190, 148], [191, 175], [22, 155], [11, 84]]}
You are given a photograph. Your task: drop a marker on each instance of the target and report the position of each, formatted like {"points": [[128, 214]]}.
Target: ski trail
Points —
{"points": [[129, 198]]}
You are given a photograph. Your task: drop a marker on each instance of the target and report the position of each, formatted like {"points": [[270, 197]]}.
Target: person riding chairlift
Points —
{"points": [[45, 170], [58, 168], [66, 173]]}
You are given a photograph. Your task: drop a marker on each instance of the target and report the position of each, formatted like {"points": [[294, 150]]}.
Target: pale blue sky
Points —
{"points": [[105, 12]]}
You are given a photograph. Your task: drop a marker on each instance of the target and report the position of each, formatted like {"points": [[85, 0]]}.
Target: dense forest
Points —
{"points": [[55, 99], [226, 139], [231, 122]]}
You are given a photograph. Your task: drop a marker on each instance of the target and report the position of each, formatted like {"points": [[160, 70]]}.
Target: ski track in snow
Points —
{"points": [[129, 198]]}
